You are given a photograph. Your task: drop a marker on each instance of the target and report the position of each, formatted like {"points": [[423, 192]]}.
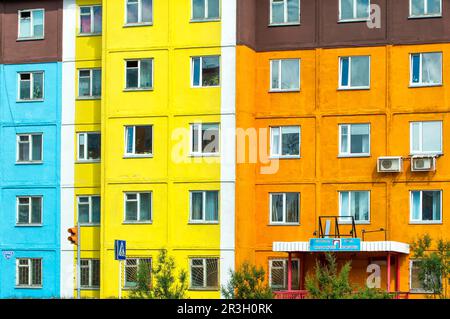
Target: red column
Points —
{"points": [[397, 268], [289, 283], [389, 272]]}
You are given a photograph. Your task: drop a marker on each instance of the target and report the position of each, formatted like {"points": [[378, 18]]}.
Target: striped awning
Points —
{"points": [[366, 246]]}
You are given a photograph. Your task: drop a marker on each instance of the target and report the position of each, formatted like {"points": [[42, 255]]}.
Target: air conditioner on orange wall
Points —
{"points": [[423, 163], [390, 164]]}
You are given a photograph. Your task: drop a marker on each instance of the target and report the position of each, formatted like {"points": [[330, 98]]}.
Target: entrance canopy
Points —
{"points": [[365, 246]]}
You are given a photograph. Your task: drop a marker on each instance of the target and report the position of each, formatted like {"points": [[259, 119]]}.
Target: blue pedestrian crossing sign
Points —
{"points": [[120, 250]]}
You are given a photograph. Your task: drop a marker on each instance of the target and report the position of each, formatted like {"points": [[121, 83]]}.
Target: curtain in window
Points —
{"points": [[146, 74], [147, 10], [344, 71], [37, 147], [277, 11], [345, 205], [416, 136], [432, 68], [38, 82], [275, 74], [131, 208], [97, 19], [360, 138], [36, 207], [416, 209], [362, 9], [198, 9], [84, 83], [290, 74], [132, 74], [360, 206], [132, 11], [130, 140], [145, 207], [83, 210], [23, 211], [431, 136], [292, 207], [197, 205], [344, 138], [360, 71], [277, 208], [293, 11], [85, 20], [213, 9], [290, 141], [212, 206], [25, 86], [38, 21], [275, 141], [25, 25], [436, 206], [96, 82], [24, 151], [96, 209]]}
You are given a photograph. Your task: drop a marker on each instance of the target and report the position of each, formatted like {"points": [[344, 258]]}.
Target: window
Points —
{"points": [[354, 140], [31, 86], [358, 10], [205, 71], [354, 72], [205, 10], [284, 208], [285, 75], [416, 284], [356, 204], [31, 24], [205, 273], [89, 210], [29, 210], [426, 137], [90, 20], [132, 266], [139, 140], [284, 12], [139, 12], [89, 273], [285, 141], [89, 146], [138, 207], [426, 69], [29, 148], [278, 274], [205, 139], [426, 206], [139, 74], [29, 272], [425, 8], [204, 206], [90, 83]]}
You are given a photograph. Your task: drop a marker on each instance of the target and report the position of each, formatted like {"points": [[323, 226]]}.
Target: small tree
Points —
{"points": [[433, 265], [164, 284], [248, 282]]}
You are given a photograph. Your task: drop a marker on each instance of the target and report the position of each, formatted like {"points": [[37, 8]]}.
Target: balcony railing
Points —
{"points": [[303, 294]]}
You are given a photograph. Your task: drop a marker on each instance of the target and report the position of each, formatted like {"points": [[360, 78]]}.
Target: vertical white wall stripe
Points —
{"points": [[227, 147], [67, 147]]}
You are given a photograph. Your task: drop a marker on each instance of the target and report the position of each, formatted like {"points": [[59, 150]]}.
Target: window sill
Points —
{"points": [[354, 20], [281, 157], [138, 223], [28, 287], [137, 156], [88, 98], [356, 222], [29, 163], [286, 24], [361, 88], [354, 156], [418, 291], [204, 20], [203, 289], [434, 154], [30, 39], [89, 225], [285, 91], [205, 155], [88, 162], [137, 89], [205, 87], [84, 35], [416, 86], [202, 223], [284, 224], [89, 288], [426, 16], [425, 223], [138, 24], [28, 225], [30, 101]]}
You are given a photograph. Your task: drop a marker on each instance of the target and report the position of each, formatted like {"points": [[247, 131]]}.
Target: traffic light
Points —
{"points": [[73, 238]]}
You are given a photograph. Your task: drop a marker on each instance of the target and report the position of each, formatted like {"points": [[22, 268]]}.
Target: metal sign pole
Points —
{"points": [[120, 279], [78, 260]]}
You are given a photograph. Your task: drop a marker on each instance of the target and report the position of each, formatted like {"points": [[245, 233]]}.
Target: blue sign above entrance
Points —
{"points": [[335, 244]]}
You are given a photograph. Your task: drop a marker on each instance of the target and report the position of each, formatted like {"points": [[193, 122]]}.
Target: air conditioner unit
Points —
{"points": [[423, 163], [390, 164]]}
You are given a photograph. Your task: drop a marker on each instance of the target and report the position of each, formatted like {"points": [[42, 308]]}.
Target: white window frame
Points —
{"points": [[346, 220], [91, 84], [91, 7], [205, 276], [411, 136], [201, 72], [138, 261], [90, 272], [411, 71], [349, 141], [19, 81], [140, 22], [133, 154], [30, 141], [30, 272], [86, 135], [279, 89], [350, 86], [284, 222], [285, 6], [30, 207], [355, 13], [203, 220], [425, 15], [199, 152], [139, 87], [138, 201], [279, 151], [205, 18], [89, 203], [33, 37], [285, 271], [411, 206]]}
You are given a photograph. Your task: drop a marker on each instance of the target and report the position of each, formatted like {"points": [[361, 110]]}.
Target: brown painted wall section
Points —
{"points": [[319, 26], [46, 50]]}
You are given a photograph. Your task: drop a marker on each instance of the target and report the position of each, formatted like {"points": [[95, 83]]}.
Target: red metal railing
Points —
{"points": [[303, 294]]}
